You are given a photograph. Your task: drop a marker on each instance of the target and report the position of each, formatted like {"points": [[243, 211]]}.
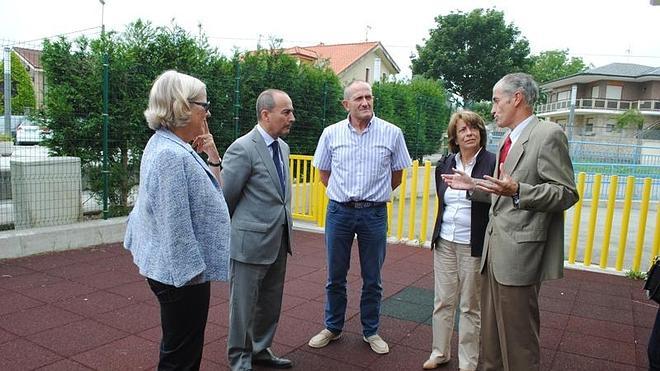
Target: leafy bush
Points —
{"points": [[22, 95], [74, 74], [419, 107], [632, 118]]}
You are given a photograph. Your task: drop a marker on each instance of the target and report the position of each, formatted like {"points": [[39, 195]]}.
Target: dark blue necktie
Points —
{"points": [[276, 159]]}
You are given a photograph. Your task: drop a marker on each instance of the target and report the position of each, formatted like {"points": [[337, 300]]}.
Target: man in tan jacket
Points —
{"points": [[524, 244]]}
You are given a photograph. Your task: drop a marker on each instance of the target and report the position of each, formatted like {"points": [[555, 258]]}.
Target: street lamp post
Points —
{"points": [[7, 92], [102, 14], [106, 170]]}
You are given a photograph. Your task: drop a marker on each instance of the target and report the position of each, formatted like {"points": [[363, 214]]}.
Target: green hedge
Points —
{"points": [[137, 56]]}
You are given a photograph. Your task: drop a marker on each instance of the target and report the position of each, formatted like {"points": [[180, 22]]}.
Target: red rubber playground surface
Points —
{"points": [[89, 309]]}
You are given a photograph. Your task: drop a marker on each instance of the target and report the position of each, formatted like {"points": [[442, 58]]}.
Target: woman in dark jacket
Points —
{"points": [[457, 243]]}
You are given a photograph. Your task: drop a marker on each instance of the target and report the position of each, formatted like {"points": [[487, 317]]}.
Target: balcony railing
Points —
{"points": [[601, 104]]}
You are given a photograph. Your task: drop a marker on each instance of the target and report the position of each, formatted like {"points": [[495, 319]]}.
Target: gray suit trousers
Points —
{"points": [[255, 303]]}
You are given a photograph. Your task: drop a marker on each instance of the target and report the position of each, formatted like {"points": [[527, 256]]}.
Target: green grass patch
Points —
{"points": [[635, 275]]}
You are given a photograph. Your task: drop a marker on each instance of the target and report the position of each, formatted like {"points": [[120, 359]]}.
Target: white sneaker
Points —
{"points": [[377, 344], [435, 362], [323, 338]]}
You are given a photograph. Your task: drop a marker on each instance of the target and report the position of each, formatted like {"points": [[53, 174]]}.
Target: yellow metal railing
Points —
{"points": [[605, 247], [410, 222], [577, 212], [303, 188]]}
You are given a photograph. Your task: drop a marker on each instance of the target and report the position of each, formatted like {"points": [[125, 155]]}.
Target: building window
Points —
{"points": [[609, 127], [366, 75], [589, 127], [563, 95], [613, 92], [595, 91]]}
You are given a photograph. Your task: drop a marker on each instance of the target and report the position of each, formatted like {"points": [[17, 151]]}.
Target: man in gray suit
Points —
{"points": [[524, 242], [255, 184]]}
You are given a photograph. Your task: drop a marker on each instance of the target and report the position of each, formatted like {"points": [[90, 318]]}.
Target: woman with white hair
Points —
{"points": [[178, 231]]}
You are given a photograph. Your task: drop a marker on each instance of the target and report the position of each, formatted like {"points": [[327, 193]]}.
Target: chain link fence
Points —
{"points": [[52, 168], [52, 164]]}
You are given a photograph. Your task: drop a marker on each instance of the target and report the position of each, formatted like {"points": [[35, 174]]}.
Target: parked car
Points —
{"points": [[15, 121], [29, 133]]}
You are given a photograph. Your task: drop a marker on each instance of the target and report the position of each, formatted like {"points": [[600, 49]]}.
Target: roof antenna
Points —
{"points": [[366, 33], [628, 52]]}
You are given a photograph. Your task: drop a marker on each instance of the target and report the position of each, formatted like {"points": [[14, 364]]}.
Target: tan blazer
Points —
{"points": [[526, 244]]}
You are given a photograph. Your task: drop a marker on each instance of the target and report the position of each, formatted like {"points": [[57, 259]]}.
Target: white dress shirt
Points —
{"points": [[457, 218]]}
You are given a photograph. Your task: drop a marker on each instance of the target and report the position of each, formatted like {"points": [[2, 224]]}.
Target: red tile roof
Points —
{"points": [[303, 53], [340, 56], [32, 56]]}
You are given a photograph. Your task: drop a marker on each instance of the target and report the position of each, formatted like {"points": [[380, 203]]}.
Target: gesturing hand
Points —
{"points": [[459, 180], [505, 186]]}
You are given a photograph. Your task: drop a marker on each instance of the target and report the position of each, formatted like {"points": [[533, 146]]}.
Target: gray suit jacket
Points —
{"points": [[256, 204], [526, 244]]}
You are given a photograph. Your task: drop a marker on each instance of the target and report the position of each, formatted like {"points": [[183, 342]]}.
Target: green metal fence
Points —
{"points": [[88, 131]]}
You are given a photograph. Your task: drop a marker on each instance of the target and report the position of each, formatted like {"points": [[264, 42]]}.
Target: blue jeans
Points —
{"points": [[342, 224]]}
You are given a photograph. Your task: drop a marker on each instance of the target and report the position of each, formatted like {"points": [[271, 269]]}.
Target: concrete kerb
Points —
{"points": [[20, 243]]}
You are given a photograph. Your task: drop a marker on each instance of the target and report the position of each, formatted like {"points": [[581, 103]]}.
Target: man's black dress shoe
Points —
{"points": [[268, 359]]}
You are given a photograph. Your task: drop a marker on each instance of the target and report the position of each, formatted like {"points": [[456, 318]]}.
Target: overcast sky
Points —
{"points": [[599, 31]]}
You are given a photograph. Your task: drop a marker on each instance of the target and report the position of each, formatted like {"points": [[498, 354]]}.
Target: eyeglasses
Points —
{"points": [[205, 105]]}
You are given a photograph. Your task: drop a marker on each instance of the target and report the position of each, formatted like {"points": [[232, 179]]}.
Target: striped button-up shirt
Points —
{"points": [[361, 164]]}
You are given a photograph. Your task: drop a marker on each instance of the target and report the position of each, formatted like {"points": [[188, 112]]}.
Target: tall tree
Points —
{"points": [[470, 52], [555, 64], [73, 110], [483, 108]]}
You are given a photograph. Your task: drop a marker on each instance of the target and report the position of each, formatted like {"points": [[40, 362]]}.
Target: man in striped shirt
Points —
{"points": [[361, 160]]}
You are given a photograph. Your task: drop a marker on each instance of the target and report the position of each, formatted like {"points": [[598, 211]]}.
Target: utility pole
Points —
{"points": [[571, 113], [7, 92], [106, 87]]}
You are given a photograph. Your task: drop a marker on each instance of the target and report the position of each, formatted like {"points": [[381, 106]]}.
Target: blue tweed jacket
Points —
{"points": [[178, 231]]}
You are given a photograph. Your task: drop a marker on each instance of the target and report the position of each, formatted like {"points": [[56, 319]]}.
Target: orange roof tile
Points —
{"points": [[341, 56], [303, 53], [32, 56]]}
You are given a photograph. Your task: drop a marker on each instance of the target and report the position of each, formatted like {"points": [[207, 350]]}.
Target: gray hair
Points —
{"points": [[348, 90], [169, 100], [521, 82], [266, 101]]}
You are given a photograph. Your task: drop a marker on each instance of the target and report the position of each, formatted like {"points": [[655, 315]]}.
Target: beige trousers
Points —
{"points": [[510, 326], [457, 281]]}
